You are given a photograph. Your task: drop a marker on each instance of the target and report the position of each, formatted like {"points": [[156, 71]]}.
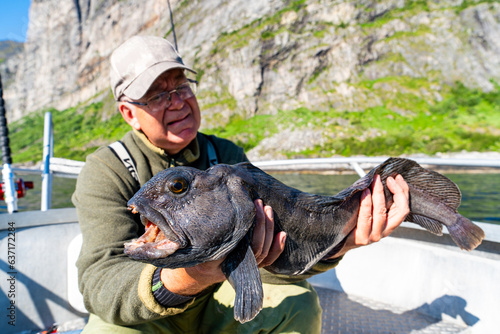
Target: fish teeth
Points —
{"points": [[132, 208]]}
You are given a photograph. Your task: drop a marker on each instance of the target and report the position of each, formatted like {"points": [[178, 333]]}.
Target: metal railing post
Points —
{"points": [[10, 193], [48, 152], [358, 168]]}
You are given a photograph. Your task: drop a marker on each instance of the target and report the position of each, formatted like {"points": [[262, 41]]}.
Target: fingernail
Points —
{"points": [[283, 238], [390, 180], [269, 211]]}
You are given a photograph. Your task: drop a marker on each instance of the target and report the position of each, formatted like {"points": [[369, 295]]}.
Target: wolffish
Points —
{"points": [[195, 216]]}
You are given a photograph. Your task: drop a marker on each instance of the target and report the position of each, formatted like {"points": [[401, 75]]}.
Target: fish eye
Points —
{"points": [[178, 185]]}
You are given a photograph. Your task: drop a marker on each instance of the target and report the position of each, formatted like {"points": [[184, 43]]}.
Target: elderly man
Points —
{"points": [[157, 99]]}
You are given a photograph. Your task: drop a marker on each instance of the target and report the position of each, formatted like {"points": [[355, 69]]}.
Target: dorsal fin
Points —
{"points": [[433, 183]]}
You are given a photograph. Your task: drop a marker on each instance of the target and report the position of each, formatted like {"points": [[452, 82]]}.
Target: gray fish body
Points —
{"points": [[210, 222], [314, 224], [207, 215]]}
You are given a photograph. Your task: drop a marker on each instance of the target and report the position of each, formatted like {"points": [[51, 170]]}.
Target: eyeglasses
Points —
{"points": [[163, 100]]}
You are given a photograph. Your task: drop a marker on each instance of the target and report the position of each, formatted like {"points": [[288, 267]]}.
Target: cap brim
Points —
{"points": [[140, 85]]}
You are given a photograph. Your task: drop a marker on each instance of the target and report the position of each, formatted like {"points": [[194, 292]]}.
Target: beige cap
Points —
{"points": [[137, 63]]}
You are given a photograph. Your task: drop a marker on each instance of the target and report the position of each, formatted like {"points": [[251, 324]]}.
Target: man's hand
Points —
{"points": [[376, 218], [266, 247]]}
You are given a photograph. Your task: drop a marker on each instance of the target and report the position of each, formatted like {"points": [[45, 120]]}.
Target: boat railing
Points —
{"points": [[359, 164], [61, 167]]}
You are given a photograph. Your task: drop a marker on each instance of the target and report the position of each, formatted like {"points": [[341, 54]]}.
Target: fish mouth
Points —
{"points": [[156, 242]]}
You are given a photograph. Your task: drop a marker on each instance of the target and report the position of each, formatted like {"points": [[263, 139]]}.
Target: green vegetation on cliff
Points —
{"points": [[78, 131], [465, 119]]}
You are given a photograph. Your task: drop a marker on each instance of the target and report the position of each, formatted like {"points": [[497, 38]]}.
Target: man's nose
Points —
{"points": [[176, 102]]}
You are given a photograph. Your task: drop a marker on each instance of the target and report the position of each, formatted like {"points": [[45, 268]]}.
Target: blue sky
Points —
{"points": [[14, 19]]}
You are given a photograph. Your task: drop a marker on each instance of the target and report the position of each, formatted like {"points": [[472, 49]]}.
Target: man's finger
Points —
{"points": [[259, 231], [365, 219], [379, 210], [276, 249], [400, 207], [269, 233]]}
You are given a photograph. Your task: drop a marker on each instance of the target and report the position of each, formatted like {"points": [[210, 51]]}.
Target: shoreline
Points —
{"points": [[346, 169]]}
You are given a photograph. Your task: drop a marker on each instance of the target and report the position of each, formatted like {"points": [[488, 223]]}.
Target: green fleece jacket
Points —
{"points": [[115, 287]]}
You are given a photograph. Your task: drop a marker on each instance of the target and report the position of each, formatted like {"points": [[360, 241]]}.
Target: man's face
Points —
{"points": [[173, 128]]}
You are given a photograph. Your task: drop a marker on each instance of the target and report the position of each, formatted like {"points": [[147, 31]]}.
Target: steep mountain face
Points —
{"points": [[262, 56]]}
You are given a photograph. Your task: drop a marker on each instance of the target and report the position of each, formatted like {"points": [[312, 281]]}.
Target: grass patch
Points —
{"points": [[215, 99], [247, 133], [77, 132]]}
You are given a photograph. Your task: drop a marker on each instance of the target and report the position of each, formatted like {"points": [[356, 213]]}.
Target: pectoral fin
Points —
{"points": [[243, 274]]}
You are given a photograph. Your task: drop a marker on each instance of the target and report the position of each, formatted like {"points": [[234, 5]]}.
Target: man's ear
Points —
{"points": [[128, 115]]}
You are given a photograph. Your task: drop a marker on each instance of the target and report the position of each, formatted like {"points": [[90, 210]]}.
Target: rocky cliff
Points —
{"points": [[262, 56]]}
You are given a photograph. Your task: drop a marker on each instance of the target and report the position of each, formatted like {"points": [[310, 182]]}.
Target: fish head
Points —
{"points": [[191, 216]]}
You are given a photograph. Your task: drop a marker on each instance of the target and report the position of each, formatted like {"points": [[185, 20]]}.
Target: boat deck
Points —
{"points": [[343, 314]]}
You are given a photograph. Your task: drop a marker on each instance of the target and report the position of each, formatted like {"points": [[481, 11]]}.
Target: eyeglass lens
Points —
{"points": [[164, 99]]}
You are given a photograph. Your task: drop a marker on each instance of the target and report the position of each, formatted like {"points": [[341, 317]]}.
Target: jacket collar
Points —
{"points": [[189, 154]]}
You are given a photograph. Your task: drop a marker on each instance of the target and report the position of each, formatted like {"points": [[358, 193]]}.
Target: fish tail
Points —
{"points": [[465, 233], [434, 200]]}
